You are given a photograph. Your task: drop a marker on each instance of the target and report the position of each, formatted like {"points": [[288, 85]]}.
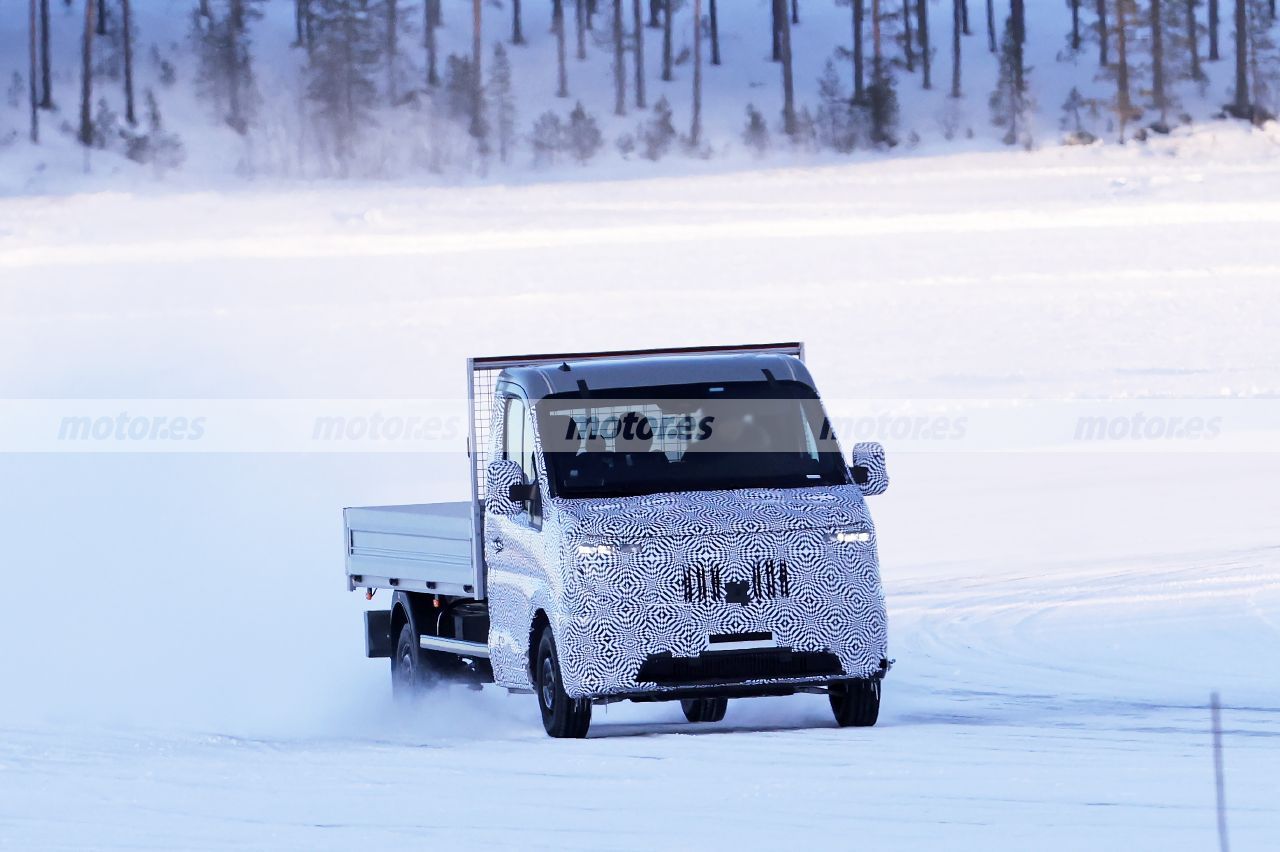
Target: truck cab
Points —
{"points": [[645, 526]]}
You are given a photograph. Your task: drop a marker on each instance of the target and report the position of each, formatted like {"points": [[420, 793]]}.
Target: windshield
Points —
{"points": [[690, 437]]}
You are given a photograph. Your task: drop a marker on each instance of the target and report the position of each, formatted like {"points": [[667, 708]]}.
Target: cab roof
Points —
{"points": [[603, 374]]}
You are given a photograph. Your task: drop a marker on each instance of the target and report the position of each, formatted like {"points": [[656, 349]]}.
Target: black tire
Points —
{"points": [[411, 671], [704, 709], [855, 703], [562, 716]]}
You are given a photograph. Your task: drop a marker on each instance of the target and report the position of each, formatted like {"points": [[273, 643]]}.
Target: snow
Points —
{"points": [[183, 668], [404, 144]]}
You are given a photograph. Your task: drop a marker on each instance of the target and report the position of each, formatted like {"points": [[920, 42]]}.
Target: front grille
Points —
{"points": [[732, 666], [769, 579]]}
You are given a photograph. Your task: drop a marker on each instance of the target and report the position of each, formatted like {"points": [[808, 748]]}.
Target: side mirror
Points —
{"points": [[868, 468], [501, 478]]}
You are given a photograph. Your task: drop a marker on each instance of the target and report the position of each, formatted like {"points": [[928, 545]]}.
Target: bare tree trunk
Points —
{"points": [[429, 31], [991, 25], [126, 32], [1123, 101], [957, 29], [1157, 63], [695, 131], [1018, 11], [922, 30], [33, 41], [619, 62], [795, 11], [1193, 41], [1075, 24], [776, 29], [517, 26], [714, 21], [1103, 35], [788, 84], [666, 40], [101, 18], [393, 47], [298, 38], [908, 49], [477, 72], [964, 16], [655, 14], [638, 22], [1242, 61], [859, 77], [86, 77], [1213, 31], [877, 52], [46, 63], [557, 23], [580, 26]]}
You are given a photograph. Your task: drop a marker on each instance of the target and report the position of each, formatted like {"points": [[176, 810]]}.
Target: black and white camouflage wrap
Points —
{"points": [[611, 607]]}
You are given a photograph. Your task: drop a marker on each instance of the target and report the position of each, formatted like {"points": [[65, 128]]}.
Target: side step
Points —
{"points": [[454, 646]]}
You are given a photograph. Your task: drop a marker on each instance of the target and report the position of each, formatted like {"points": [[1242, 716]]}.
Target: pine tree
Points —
{"points": [[713, 23], [1103, 34], [341, 73], [957, 28], [834, 123], [638, 50], [657, 135], [33, 39], [1213, 31], [756, 134], [430, 16], [619, 62], [854, 52], [1009, 102], [226, 73], [557, 23], [1127, 16], [788, 85], [582, 135], [517, 25], [695, 128], [547, 139], [86, 76], [881, 96], [501, 101], [126, 18], [922, 33], [667, 11], [46, 61]]}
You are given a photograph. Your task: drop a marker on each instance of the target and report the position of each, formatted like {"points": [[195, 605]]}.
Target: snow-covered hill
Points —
{"points": [[417, 140]]}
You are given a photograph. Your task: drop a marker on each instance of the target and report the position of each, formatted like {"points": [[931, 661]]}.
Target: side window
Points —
{"points": [[518, 443]]}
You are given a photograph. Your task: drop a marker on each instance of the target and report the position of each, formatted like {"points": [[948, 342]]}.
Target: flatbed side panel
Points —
{"points": [[425, 547]]}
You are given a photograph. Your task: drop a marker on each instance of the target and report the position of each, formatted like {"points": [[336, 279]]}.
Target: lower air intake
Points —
{"points": [[736, 666]]}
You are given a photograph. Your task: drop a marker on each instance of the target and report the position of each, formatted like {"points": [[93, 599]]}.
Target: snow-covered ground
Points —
{"points": [[182, 667]]}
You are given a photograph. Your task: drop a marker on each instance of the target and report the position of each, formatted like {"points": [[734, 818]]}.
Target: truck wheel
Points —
{"points": [[855, 703], [411, 674], [562, 716], [704, 709]]}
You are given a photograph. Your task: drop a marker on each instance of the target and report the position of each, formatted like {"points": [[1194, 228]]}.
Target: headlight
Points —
{"points": [[851, 537]]}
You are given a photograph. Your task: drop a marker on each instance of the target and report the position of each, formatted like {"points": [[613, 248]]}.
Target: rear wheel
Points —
{"points": [[411, 671], [855, 703], [562, 716], [704, 709]]}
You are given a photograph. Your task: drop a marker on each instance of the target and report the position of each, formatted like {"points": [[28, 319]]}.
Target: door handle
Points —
{"points": [[496, 541]]}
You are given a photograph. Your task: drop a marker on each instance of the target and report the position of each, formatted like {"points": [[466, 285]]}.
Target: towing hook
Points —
{"points": [[368, 593]]}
